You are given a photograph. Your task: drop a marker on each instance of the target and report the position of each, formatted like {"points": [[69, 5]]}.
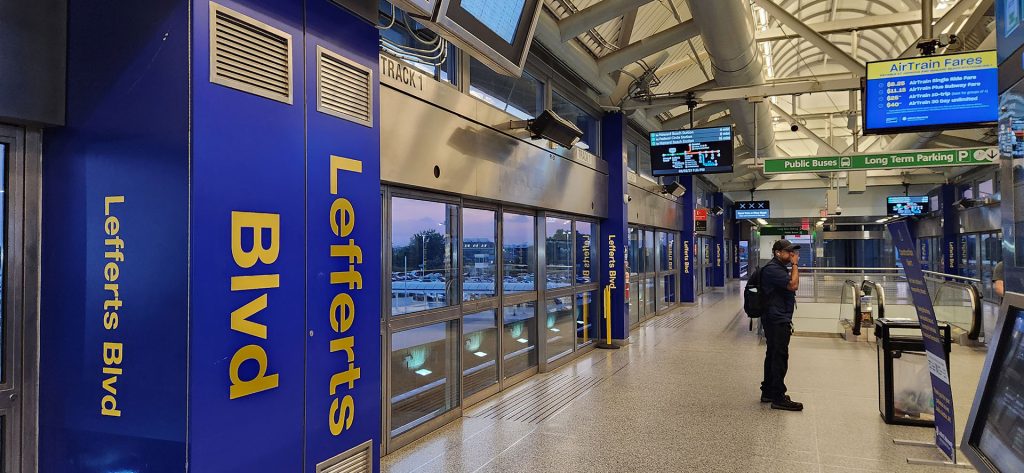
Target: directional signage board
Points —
{"points": [[938, 363], [896, 160], [753, 209], [783, 231]]}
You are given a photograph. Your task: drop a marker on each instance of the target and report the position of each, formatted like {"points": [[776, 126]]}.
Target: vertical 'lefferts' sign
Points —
{"points": [[342, 312], [113, 351], [266, 247]]}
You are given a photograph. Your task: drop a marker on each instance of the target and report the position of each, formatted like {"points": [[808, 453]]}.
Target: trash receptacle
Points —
{"points": [[904, 382]]}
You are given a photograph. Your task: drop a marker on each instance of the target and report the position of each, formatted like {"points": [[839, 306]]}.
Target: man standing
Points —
{"points": [[779, 285]]}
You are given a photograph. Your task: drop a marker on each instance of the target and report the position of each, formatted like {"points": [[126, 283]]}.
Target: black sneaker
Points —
{"points": [[787, 404]]}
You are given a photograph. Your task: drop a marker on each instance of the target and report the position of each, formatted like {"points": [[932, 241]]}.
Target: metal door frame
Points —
{"points": [[19, 391]]}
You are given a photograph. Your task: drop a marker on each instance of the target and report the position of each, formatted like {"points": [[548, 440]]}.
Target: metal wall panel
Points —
{"points": [[928, 227], [853, 235], [649, 207], [980, 219], [428, 147], [33, 47]]}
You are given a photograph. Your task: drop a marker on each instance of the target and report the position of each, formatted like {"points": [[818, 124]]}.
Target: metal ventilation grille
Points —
{"points": [[356, 460], [250, 55], [344, 88]]}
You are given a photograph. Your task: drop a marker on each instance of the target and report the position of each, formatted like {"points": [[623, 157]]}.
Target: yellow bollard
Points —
{"points": [[607, 344]]}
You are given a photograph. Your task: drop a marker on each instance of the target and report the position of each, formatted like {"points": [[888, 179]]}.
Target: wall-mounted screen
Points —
{"points": [[1009, 27], [695, 151], [496, 33], [908, 206], [753, 209], [996, 436], [932, 93]]}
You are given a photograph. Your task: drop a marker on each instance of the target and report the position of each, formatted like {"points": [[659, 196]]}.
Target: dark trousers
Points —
{"points": [[776, 359]]}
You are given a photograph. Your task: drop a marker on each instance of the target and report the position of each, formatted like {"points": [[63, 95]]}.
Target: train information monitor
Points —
{"points": [[994, 440], [932, 93], [694, 151], [498, 34], [908, 206]]}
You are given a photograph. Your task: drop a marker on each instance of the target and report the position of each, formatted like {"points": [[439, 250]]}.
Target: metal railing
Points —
{"points": [[826, 284]]}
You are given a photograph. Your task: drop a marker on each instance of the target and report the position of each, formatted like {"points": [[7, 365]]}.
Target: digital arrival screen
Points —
{"points": [[694, 151], [501, 17], [932, 93], [908, 206]]}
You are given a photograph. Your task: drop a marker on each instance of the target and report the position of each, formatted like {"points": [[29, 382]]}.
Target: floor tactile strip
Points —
{"points": [[538, 401]]}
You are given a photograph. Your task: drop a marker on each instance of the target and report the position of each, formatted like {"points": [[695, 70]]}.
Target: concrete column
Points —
{"points": [[615, 228], [950, 230]]}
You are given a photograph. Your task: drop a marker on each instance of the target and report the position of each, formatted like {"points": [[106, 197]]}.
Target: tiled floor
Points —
{"points": [[686, 399]]}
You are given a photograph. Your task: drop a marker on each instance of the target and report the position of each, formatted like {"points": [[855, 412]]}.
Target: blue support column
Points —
{"points": [[734, 230], [950, 230], [614, 229], [718, 252], [686, 266]]}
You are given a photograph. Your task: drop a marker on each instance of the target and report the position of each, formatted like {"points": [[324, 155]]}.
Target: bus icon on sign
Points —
{"points": [[846, 162]]}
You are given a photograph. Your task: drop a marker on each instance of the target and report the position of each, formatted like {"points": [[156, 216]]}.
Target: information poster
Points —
{"points": [[934, 92], [945, 431]]}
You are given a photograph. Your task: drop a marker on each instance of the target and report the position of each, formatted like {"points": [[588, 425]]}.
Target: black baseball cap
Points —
{"points": [[784, 245]]}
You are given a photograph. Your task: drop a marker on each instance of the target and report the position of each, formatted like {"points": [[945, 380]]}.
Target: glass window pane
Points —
{"points": [[423, 361], [635, 258], [584, 240], [559, 326], [986, 189], [558, 252], [632, 154], [652, 299], [644, 161], [422, 255], [649, 251], [668, 291], [479, 254], [587, 316], [522, 97], [664, 251], [519, 253], [519, 338], [479, 351], [564, 108]]}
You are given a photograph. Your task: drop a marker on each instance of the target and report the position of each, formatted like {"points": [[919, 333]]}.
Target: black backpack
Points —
{"points": [[754, 299]]}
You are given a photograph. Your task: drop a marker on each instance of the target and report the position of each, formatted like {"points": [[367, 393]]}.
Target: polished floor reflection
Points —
{"points": [[683, 397]]}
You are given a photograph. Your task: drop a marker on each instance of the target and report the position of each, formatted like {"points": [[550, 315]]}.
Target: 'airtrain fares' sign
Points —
{"points": [[898, 160]]}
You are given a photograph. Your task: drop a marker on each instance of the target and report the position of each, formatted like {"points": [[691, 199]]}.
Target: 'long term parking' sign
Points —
{"points": [[897, 160]]}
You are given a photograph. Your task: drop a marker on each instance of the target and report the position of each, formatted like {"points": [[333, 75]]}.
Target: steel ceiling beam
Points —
{"points": [[957, 11], [813, 37], [594, 15], [822, 144], [700, 114], [647, 46], [774, 88], [626, 28], [871, 22]]}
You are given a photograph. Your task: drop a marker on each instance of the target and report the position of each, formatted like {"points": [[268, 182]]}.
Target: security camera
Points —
{"points": [[838, 211], [794, 127], [674, 189]]}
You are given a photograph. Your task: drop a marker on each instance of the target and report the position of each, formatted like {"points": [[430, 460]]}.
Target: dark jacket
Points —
{"points": [[780, 300]]}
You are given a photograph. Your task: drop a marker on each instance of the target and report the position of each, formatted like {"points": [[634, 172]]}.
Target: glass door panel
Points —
{"points": [[479, 352]]}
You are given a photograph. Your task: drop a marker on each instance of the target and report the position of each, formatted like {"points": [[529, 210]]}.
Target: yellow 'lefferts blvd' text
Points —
{"points": [[266, 247], [342, 312], [113, 352]]}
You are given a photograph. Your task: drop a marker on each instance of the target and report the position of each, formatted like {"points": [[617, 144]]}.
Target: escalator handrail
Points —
{"points": [[879, 296], [856, 303], [975, 298]]}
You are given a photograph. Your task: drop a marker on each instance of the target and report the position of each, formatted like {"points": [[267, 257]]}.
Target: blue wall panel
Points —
{"points": [[248, 334], [115, 233], [343, 352], [950, 230]]}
